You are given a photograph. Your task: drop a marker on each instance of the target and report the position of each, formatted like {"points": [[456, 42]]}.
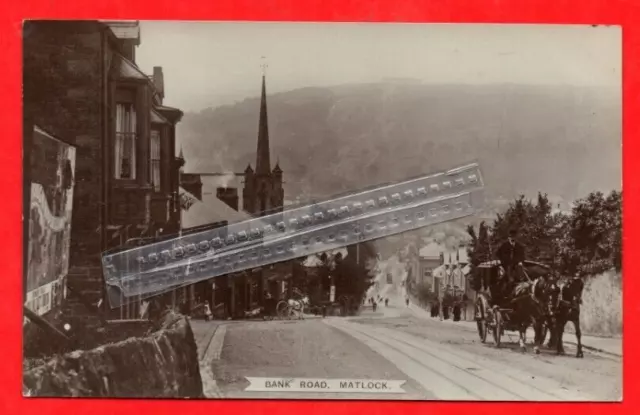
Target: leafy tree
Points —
{"points": [[479, 248], [300, 278], [353, 276], [593, 240], [536, 225], [587, 239]]}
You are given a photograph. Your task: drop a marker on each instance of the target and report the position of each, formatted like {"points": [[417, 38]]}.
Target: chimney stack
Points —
{"points": [[158, 80], [229, 195]]}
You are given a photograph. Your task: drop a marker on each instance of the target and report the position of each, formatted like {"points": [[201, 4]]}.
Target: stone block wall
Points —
{"points": [[163, 364]]}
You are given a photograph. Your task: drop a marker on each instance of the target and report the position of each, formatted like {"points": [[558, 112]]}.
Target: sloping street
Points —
{"points": [[438, 360]]}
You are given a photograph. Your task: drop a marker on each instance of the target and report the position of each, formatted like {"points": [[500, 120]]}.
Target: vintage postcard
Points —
{"points": [[321, 210]]}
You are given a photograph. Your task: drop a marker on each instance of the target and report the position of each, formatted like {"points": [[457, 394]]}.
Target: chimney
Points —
{"points": [[158, 80], [229, 195]]}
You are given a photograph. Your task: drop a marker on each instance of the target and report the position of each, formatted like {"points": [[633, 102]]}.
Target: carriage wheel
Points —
{"points": [[481, 321], [497, 327], [282, 309]]}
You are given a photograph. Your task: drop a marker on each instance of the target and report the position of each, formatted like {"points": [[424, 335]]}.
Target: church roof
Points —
{"points": [[277, 169]]}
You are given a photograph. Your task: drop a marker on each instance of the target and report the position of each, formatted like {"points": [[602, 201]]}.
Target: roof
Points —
{"points": [[47, 134], [157, 118], [432, 250], [210, 210], [462, 254], [312, 261], [167, 108], [124, 29], [130, 70]]}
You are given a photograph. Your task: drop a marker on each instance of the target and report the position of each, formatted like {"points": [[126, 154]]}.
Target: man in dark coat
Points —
{"points": [[511, 256]]}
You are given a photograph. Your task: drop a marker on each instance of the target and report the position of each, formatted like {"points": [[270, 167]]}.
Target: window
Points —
{"points": [[126, 141], [155, 159]]}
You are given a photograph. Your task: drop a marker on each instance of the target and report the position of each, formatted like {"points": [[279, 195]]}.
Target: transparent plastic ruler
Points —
{"points": [[141, 283], [260, 230]]}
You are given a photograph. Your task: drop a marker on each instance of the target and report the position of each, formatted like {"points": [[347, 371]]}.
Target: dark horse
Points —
{"points": [[566, 298], [530, 309]]}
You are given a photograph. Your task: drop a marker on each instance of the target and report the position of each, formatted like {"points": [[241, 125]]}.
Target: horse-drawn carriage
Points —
{"points": [[501, 306], [287, 308], [292, 306]]}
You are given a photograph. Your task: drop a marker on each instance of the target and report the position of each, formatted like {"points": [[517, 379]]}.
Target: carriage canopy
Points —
{"points": [[485, 273]]}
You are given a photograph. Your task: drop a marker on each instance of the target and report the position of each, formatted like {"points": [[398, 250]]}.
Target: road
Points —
{"points": [[438, 360]]}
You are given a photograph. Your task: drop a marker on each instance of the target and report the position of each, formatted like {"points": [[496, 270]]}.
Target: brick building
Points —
{"points": [[81, 82]]}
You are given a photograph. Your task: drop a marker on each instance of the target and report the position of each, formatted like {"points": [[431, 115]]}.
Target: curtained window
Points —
{"points": [[155, 159], [126, 141]]}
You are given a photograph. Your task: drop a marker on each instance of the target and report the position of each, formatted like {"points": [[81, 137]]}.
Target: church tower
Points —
{"points": [[263, 189]]}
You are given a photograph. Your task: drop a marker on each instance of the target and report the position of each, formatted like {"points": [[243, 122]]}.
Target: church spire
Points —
{"points": [[263, 162]]}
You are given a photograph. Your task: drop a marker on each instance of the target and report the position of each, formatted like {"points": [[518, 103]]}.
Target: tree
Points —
{"points": [[300, 278], [353, 274], [593, 240], [587, 239], [479, 249], [536, 225]]}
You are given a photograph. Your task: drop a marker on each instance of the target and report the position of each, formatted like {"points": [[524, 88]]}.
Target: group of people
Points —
{"points": [[374, 302]]}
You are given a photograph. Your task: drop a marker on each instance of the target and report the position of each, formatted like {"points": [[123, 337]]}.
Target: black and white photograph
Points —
{"points": [[155, 136]]}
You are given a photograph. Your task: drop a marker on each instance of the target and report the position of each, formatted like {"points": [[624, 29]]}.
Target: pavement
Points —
{"points": [[607, 345], [438, 360]]}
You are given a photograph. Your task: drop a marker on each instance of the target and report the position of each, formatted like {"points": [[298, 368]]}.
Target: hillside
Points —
{"points": [[563, 140]]}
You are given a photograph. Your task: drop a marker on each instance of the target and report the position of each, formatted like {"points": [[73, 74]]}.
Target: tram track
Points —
{"points": [[455, 375]]}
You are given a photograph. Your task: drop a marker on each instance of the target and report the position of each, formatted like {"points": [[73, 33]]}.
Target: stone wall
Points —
{"points": [[163, 364]]}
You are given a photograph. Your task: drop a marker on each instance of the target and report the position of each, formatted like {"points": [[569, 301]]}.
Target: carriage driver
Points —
{"points": [[511, 256]]}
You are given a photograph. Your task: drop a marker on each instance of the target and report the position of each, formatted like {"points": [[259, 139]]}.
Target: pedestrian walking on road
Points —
{"points": [[374, 305], [407, 301], [386, 302], [208, 315]]}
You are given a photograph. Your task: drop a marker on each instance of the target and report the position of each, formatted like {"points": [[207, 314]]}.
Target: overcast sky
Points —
{"points": [[208, 63]]}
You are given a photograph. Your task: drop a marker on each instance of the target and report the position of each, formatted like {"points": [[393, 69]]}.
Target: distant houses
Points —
{"points": [[441, 268]]}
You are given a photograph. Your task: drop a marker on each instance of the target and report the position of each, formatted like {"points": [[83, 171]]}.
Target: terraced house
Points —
{"points": [[82, 84]]}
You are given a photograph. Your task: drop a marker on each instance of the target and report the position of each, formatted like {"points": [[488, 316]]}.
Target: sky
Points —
{"points": [[207, 64]]}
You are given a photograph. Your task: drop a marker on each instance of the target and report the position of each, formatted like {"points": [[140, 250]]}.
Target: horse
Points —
{"points": [[298, 305], [530, 309], [566, 301]]}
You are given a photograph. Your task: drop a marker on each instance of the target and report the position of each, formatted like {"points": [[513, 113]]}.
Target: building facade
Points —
{"points": [[81, 82]]}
